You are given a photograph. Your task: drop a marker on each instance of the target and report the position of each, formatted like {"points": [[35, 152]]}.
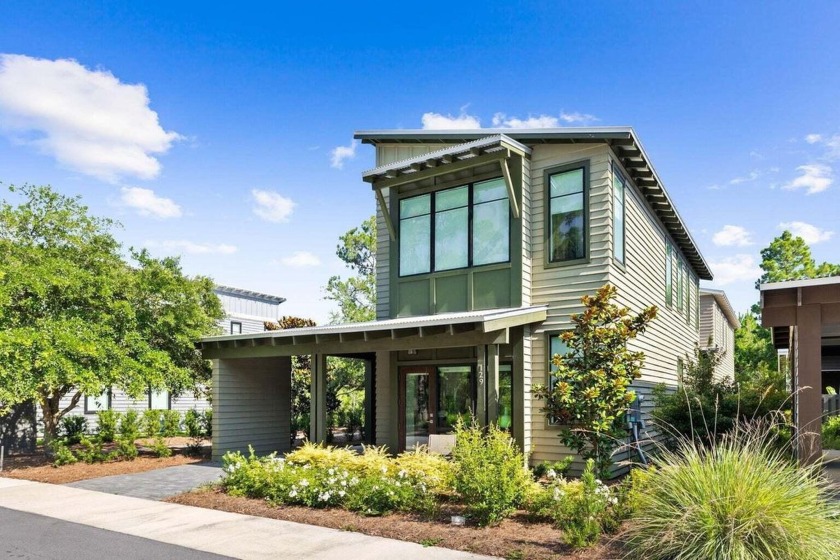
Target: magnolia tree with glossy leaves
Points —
{"points": [[591, 392]]}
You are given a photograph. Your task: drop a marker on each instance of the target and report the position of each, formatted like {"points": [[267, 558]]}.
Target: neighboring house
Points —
{"points": [[245, 312], [486, 241], [718, 323]]}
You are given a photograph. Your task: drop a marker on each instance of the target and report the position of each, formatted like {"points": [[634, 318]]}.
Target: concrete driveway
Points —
{"points": [[155, 485]]}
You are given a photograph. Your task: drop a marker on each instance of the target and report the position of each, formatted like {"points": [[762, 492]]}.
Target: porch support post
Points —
{"points": [[492, 360], [370, 401], [481, 385], [318, 402], [808, 367]]}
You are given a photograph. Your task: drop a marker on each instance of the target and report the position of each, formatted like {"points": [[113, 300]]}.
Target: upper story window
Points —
{"points": [[455, 228], [567, 215], [619, 186], [235, 327]]}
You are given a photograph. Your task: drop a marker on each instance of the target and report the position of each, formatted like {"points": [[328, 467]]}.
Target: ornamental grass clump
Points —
{"points": [[740, 497]]}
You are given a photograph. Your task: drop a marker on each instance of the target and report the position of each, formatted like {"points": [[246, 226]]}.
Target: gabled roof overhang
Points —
{"points": [[446, 330], [622, 140], [724, 304]]}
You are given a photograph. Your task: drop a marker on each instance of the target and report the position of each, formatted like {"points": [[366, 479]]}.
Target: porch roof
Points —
{"points": [[443, 330]]}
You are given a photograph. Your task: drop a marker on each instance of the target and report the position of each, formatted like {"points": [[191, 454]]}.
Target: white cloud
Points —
{"points": [[753, 175], [809, 233], [341, 153], [436, 121], [813, 138], [86, 119], [500, 120], [272, 206], [740, 268], [300, 259], [182, 246], [816, 177], [732, 236], [147, 203], [577, 118]]}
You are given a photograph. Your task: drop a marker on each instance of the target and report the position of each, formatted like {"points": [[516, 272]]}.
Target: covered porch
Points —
{"points": [[805, 318], [409, 361]]}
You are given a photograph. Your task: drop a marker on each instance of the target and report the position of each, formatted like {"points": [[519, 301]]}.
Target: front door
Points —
{"points": [[432, 400]]}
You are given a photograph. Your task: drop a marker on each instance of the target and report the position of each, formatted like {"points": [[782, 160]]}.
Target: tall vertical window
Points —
{"points": [[415, 234], [669, 274], [506, 397], [618, 215], [452, 216], [556, 346], [490, 223], [680, 278], [455, 228], [567, 216]]}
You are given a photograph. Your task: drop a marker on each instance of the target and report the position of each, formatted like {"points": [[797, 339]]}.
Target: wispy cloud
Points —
{"points": [[272, 206], [183, 246], [146, 203], [437, 121], [500, 120], [340, 154], [749, 178], [301, 259], [88, 120], [813, 138], [811, 234], [732, 236], [740, 268], [814, 178], [577, 118]]}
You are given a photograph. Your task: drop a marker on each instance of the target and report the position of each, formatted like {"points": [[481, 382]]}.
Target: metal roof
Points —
{"points": [[489, 320], [724, 304], [807, 283], [623, 141], [249, 294]]}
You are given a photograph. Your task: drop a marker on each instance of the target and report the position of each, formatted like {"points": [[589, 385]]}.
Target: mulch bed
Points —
{"points": [[514, 538], [37, 467]]}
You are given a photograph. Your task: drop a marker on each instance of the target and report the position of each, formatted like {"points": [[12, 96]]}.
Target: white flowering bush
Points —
{"points": [[582, 508], [371, 483]]}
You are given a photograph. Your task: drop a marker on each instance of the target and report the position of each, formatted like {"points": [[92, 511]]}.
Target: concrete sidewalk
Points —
{"points": [[218, 532]]}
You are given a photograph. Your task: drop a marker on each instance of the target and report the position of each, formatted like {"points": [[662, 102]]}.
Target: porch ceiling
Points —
{"points": [[428, 331]]}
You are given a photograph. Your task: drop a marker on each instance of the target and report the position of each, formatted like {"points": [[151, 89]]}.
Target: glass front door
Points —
{"points": [[432, 400]]}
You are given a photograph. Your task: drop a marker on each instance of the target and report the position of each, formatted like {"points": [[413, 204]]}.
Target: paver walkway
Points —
{"points": [[218, 532], [155, 485]]}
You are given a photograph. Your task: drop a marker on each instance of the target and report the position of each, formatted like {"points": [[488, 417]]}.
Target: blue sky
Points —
{"points": [[211, 131]]}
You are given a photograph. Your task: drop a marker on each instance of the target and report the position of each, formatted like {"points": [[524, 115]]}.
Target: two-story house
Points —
{"points": [[487, 239], [718, 323]]}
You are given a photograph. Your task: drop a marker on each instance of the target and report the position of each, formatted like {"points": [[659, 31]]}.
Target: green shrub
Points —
{"points": [[192, 423], [107, 424], [129, 425], [61, 454], [171, 423], [490, 474], [126, 449], [582, 509], [73, 429], [831, 433], [553, 469], [207, 422], [740, 497], [160, 449], [151, 423], [91, 451]]}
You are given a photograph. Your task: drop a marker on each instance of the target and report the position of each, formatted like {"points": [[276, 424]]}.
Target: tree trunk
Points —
{"points": [[50, 408]]}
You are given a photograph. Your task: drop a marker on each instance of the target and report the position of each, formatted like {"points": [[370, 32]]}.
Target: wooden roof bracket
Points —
{"points": [[386, 214], [514, 204]]}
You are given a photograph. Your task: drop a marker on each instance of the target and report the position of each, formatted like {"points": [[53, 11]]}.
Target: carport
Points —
{"points": [[805, 318]]}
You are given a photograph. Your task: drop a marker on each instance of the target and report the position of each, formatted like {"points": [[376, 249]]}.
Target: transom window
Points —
{"points": [[455, 228], [567, 215]]}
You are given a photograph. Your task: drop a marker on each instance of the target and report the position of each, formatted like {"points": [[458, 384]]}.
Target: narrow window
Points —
{"points": [[491, 223], [506, 397], [618, 216], [451, 228], [415, 235], [567, 220], [680, 276], [556, 346], [669, 275], [235, 327]]}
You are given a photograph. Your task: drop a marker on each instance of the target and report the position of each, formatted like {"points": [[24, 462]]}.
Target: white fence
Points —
{"points": [[831, 405]]}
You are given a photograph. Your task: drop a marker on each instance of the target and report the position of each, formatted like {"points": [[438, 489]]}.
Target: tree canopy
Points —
{"points": [[76, 318], [356, 296], [788, 257]]}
